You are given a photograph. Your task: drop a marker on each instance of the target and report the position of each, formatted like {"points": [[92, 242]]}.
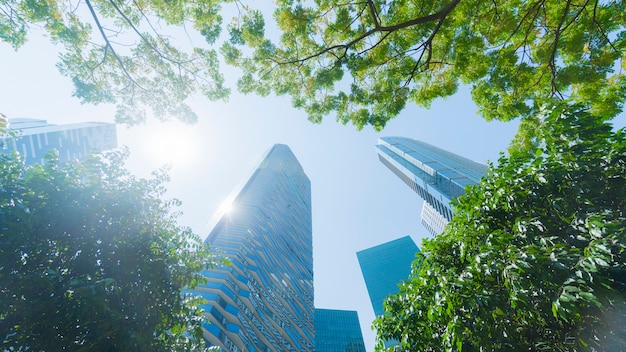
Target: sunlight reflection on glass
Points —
{"points": [[227, 207]]}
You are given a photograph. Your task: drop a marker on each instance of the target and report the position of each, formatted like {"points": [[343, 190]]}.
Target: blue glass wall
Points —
{"points": [[338, 331], [264, 300], [435, 174], [35, 138], [384, 267]]}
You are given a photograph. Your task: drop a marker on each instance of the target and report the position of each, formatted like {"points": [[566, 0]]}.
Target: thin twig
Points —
{"points": [[108, 44]]}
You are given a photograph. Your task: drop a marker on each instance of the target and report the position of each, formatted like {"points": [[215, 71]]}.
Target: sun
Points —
{"points": [[172, 143]]}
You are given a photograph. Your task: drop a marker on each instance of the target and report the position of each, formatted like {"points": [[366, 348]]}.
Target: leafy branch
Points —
{"points": [[108, 44], [378, 28]]}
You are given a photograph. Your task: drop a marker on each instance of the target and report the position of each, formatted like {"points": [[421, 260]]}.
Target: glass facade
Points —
{"points": [[432, 220], [35, 138], [435, 174], [263, 301], [384, 267], [337, 331]]}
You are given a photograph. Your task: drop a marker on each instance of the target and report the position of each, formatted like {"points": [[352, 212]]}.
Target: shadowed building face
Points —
{"points": [[338, 331], [384, 267]]}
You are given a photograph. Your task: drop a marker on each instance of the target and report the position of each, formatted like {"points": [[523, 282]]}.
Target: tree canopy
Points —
{"points": [[535, 256], [363, 60], [122, 52], [91, 259]]}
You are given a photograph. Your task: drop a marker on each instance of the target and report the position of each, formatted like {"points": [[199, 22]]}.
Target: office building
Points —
{"points": [[435, 174], [33, 139], [432, 220], [263, 301], [338, 331], [384, 267]]}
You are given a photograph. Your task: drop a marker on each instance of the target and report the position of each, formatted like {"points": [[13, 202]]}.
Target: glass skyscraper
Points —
{"points": [[338, 331], [35, 138], [435, 174], [384, 267], [263, 301]]}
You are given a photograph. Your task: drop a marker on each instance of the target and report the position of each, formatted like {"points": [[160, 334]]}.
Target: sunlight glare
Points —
{"points": [[227, 207], [171, 143]]}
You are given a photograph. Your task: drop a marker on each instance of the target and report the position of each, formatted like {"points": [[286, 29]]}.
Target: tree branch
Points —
{"points": [[108, 43], [427, 46], [595, 21], [534, 9], [382, 39], [439, 15], [557, 35], [179, 64], [370, 4], [416, 21]]}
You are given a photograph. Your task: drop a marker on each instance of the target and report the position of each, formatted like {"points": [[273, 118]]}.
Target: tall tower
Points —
{"points": [[384, 267], [35, 138], [338, 331], [263, 301], [435, 174]]}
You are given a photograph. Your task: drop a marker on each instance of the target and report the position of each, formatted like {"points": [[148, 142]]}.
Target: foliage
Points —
{"points": [[91, 259], [130, 61], [5, 131], [366, 59], [535, 256], [4, 121]]}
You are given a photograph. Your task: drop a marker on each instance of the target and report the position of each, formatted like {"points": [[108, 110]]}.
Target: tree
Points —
{"points": [[366, 59], [535, 256], [91, 259], [130, 60], [363, 60]]}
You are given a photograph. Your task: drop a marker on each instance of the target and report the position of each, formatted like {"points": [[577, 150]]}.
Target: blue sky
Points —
{"points": [[357, 202]]}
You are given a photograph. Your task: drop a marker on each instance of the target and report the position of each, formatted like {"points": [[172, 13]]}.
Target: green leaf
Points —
{"points": [[92, 248], [534, 269]]}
